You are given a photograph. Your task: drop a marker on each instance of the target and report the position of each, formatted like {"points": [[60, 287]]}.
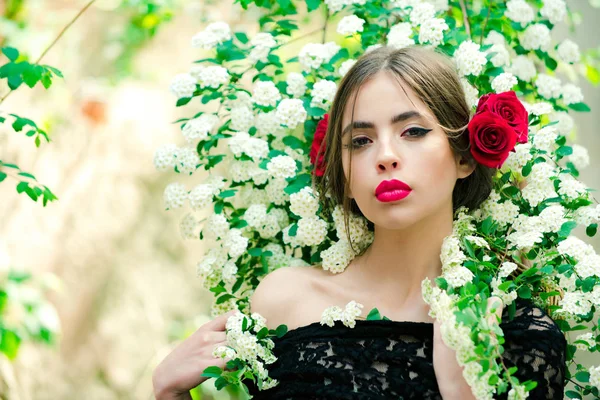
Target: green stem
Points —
{"points": [[56, 40]]}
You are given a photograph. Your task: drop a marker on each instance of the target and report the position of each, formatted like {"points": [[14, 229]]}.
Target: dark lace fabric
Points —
{"points": [[394, 359]]}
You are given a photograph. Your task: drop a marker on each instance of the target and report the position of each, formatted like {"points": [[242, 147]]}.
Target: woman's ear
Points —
{"points": [[464, 167]]}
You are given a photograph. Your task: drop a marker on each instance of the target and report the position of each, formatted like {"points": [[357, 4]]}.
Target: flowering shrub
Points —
{"points": [[264, 214]]}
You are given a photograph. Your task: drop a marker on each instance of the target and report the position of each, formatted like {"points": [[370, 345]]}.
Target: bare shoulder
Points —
{"points": [[278, 296]]}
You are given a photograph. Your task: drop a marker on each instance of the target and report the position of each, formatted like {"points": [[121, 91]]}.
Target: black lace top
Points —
{"points": [[394, 359]]}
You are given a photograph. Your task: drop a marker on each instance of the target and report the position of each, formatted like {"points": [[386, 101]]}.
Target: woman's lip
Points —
{"points": [[394, 184], [392, 195]]}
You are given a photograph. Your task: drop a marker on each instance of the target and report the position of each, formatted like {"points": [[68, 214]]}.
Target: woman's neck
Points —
{"points": [[398, 260]]}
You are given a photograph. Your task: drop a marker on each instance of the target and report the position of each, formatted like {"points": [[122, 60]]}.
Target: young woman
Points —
{"points": [[397, 153]]}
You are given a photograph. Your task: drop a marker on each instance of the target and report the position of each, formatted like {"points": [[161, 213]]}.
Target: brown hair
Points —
{"points": [[433, 77]]}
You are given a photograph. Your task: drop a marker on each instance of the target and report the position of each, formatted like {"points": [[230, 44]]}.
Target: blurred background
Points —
{"points": [[106, 255]]}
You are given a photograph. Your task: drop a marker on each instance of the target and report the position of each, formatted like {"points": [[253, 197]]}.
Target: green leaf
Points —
{"points": [[293, 230], [590, 230], [227, 193], [212, 372], [566, 228], [281, 330], [374, 315], [224, 298], [524, 292], [21, 187], [312, 5], [242, 37], [582, 107], [293, 142], [183, 101], [9, 343], [582, 376], [255, 252], [2, 176], [564, 151], [11, 53], [571, 394]]}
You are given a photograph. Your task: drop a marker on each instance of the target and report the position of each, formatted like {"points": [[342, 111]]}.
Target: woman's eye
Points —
{"points": [[359, 142], [417, 132]]}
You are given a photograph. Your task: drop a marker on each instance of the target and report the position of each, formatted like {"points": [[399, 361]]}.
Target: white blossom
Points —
{"points": [[504, 82], [469, 59], [571, 94], [265, 93], [568, 51], [296, 84], [523, 68], [432, 31], [554, 10], [399, 35], [199, 128], [323, 93], [215, 33], [183, 85], [304, 203], [291, 112], [519, 11], [349, 25], [174, 195], [282, 167], [345, 67], [536, 37], [261, 45], [314, 55], [548, 86]]}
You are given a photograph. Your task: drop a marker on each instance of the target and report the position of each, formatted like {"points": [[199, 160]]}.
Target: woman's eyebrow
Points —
{"points": [[369, 125]]}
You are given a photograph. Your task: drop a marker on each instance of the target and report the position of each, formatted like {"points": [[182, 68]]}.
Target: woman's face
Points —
{"points": [[396, 140]]}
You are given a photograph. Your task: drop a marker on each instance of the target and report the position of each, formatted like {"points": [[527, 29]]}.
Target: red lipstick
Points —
{"points": [[393, 190]]}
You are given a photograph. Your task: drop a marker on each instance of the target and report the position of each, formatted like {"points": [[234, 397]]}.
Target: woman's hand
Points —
{"points": [[448, 372], [180, 371]]}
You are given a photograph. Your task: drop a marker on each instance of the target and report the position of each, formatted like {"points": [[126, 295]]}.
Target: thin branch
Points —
{"points": [[463, 7], [56, 40], [487, 18]]}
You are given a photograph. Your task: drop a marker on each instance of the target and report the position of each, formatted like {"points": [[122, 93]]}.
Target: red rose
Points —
{"points": [[492, 138], [315, 148], [508, 107]]}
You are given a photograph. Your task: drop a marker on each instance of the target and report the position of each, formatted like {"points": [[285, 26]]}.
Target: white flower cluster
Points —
{"points": [[432, 31], [400, 35], [421, 12], [211, 77], [245, 345], [452, 258], [314, 55], [568, 51], [201, 196], [587, 261], [175, 195], [588, 339], [519, 11], [183, 85], [571, 94], [235, 243], [187, 226], [323, 93], [243, 143], [348, 315], [261, 45], [469, 59], [523, 68], [349, 25], [548, 86], [458, 337], [282, 167], [471, 94], [215, 226], [199, 128], [296, 84], [499, 46], [554, 10], [504, 82], [503, 213], [265, 94], [214, 34], [345, 67], [536, 37], [291, 113], [304, 203], [595, 376], [539, 183]]}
